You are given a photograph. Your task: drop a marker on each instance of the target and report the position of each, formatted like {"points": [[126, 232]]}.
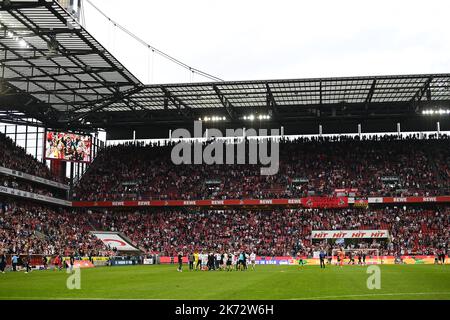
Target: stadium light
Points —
{"points": [[23, 43], [259, 117], [436, 112], [213, 118]]}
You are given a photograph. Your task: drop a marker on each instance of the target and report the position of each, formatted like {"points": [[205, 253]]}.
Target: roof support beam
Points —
{"points": [[38, 32], [320, 93], [59, 74], [99, 69], [371, 92], [109, 84], [421, 92], [129, 103], [46, 57], [20, 120], [139, 117], [271, 103], [15, 5], [65, 91], [183, 108], [117, 97], [370, 96], [229, 108]]}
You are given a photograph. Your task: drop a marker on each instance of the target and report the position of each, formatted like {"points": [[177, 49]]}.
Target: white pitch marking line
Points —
{"points": [[374, 295]]}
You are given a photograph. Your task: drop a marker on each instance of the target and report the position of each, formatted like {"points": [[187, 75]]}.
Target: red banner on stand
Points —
{"points": [[323, 202], [308, 202], [311, 202]]}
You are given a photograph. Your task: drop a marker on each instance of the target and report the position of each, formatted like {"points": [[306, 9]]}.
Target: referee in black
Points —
{"points": [[72, 262], [26, 263], [2, 262], [191, 261], [180, 262]]}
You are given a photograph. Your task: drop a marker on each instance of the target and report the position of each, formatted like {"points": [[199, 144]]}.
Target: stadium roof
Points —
{"points": [[46, 55], [54, 71], [234, 98]]}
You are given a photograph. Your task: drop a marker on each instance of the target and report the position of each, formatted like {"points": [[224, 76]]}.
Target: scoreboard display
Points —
{"points": [[68, 147]]}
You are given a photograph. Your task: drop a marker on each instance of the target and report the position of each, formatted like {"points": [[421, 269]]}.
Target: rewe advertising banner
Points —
{"points": [[308, 202]]}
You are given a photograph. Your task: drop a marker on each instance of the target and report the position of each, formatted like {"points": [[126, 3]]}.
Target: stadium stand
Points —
{"points": [[130, 204], [15, 157], [137, 172], [31, 228], [278, 232], [38, 229]]}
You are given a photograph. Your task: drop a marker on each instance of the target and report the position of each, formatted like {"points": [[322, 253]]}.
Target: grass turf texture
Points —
{"points": [[267, 282]]}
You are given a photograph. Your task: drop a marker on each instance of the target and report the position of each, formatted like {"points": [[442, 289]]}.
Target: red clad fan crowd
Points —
{"points": [[382, 166], [307, 167], [30, 228]]}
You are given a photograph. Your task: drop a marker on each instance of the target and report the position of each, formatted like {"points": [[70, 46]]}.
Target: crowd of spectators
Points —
{"points": [[15, 157], [279, 232], [412, 231], [379, 165], [276, 232], [28, 228]]}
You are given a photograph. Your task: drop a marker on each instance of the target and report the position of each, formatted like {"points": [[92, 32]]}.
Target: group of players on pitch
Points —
{"points": [[199, 261], [340, 257]]}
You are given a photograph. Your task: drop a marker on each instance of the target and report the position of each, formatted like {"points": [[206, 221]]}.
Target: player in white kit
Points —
{"points": [[253, 260], [234, 261], [204, 261], [225, 259]]}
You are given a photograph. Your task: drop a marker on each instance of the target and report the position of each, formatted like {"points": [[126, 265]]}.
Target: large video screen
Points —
{"points": [[68, 146]]}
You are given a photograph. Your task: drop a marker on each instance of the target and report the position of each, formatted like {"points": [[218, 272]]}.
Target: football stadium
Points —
{"points": [[327, 188]]}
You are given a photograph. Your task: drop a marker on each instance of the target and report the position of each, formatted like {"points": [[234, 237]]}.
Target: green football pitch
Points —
{"points": [[266, 282]]}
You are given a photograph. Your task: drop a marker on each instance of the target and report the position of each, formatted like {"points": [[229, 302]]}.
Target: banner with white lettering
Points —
{"points": [[325, 202], [349, 234], [308, 202]]}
